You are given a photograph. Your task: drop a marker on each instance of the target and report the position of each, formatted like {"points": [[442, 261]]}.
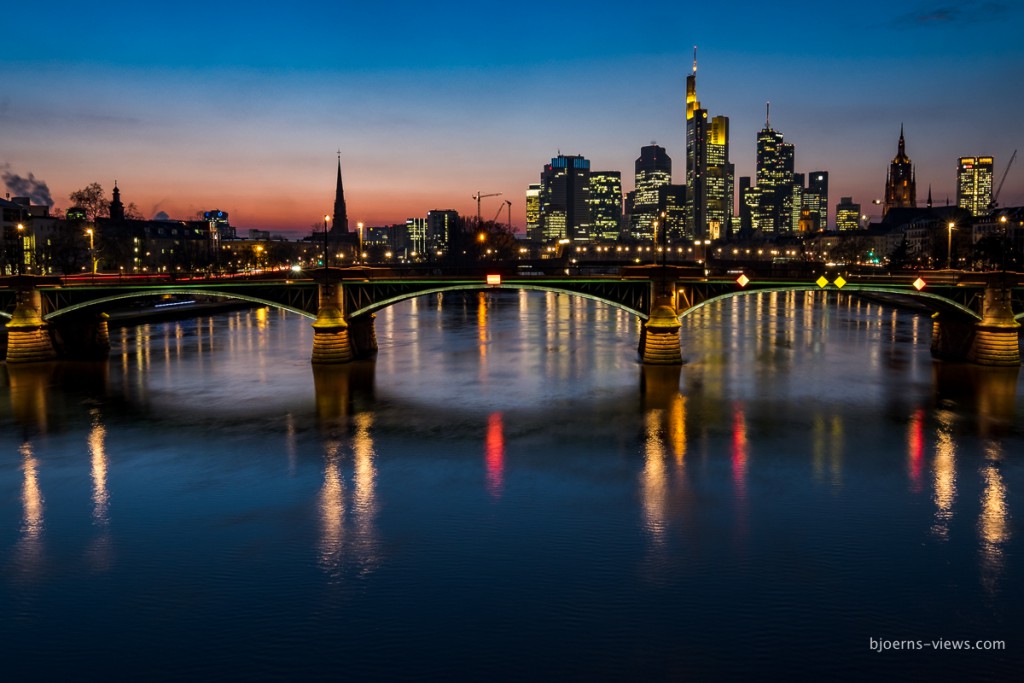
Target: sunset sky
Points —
{"points": [[192, 106]]}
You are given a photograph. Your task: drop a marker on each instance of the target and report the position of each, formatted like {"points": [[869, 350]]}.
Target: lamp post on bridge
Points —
{"points": [[21, 248], [949, 247], [92, 252], [327, 253]]}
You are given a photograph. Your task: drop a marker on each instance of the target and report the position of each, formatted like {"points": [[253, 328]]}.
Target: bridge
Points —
{"points": [[976, 316]]}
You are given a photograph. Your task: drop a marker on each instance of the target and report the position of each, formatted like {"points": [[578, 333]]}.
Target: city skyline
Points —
{"points": [[238, 121]]}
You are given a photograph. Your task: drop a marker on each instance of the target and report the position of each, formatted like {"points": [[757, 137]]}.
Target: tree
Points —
{"points": [[92, 200]]}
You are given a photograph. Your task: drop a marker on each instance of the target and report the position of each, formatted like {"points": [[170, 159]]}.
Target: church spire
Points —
{"points": [[116, 206], [340, 213]]}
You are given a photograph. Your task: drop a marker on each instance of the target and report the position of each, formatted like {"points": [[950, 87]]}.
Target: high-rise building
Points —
{"points": [[340, 225], [533, 211], [416, 233], [672, 201], [973, 184], [441, 226], [816, 200], [564, 190], [653, 170], [775, 202], [709, 174], [605, 203], [847, 214], [900, 183]]}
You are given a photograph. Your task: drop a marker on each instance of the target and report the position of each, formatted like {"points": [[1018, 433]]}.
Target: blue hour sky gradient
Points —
{"points": [[193, 106]]}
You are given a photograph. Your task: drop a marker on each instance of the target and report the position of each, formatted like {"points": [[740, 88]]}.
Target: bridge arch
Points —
{"points": [[220, 294], [480, 287], [934, 302]]}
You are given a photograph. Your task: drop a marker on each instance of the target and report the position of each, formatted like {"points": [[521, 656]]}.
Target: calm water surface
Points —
{"points": [[506, 494]]}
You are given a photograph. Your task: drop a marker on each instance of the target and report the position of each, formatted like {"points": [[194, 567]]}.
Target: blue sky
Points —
{"points": [[194, 106]]}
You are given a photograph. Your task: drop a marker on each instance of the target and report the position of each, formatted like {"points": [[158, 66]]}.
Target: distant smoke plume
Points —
{"points": [[30, 187]]}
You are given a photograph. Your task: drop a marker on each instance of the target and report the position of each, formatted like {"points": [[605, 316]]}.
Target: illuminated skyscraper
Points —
{"points": [[974, 184], [709, 174], [774, 204], [605, 203], [533, 211], [847, 214], [442, 224], [653, 170], [816, 199], [900, 184], [564, 191]]}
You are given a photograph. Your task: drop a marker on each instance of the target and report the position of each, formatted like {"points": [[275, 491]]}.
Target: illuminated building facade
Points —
{"points": [[441, 226], [974, 184], [533, 210], [847, 214], [775, 202], [416, 234], [709, 174], [605, 202], [900, 183], [816, 200], [653, 169], [564, 191]]}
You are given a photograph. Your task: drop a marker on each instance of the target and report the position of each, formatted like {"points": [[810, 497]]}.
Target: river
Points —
{"points": [[506, 494]]}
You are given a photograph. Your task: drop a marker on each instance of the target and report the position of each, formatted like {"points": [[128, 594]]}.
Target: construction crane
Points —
{"points": [[995, 198], [478, 196], [503, 205]]}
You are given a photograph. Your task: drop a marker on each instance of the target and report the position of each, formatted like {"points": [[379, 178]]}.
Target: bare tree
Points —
{"points": [[92, 200]]}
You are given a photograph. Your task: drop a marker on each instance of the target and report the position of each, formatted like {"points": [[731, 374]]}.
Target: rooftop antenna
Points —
{"points": [[767, 115], [694, 59]]}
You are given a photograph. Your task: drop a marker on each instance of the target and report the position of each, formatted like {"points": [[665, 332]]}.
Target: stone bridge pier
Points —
{"points": [[995, 340], [659, 336], [331, 339], [28, 335]]}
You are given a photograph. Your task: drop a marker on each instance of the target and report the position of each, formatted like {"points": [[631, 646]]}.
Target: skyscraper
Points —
{"points": [[340, 225], [709, 174], [847, 214], [564, 190], [775, 202], [816, 199], [533, 211], [900, 184], [653, 171], [973, 184], [605, 203]]}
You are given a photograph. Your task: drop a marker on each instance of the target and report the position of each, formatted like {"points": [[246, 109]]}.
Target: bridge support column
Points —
{"points": [[28, 336], [951, 338], [331, 342], [363, 336], [659, 336], [83, 338], [997, 337]]}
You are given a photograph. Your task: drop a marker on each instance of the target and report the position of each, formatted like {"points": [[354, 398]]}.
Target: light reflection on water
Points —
{"points": [[506, 477]]}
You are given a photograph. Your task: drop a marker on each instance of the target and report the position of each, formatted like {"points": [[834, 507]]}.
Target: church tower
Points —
{"points": [[900, 184], [340, 225], [116, 206]]}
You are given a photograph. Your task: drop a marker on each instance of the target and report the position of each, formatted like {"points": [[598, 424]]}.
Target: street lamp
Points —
{"points": [[949, 247], [92, 251], [1006, 245], [21, 248], [327, 254]]}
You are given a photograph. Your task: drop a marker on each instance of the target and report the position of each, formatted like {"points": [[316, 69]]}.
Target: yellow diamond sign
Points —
{"points": [[840, 282], [821, 281], [742, 280], [919, 284]]}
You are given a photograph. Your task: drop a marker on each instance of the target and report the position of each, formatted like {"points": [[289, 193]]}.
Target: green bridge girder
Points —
{"points": [[632, 294]]}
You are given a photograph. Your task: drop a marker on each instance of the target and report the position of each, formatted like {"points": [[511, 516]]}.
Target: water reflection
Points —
{"points": [[100, 551], [993, 523], [29, 385], [915, 450], [28, 555], [356, 543], [988, 394], [944, 483], [494, 455]]}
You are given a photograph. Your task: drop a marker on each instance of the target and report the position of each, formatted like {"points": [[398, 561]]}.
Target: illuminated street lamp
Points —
{"points": [[327, 254], [1006, 234], [949, 247], [92, 251], [21, 247]]}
